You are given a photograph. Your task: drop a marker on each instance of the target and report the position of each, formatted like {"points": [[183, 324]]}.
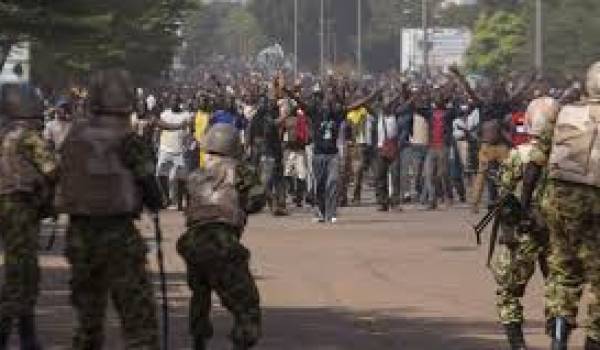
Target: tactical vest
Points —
{"points": [[214, 197], [94, 181], [17, 173], [575, 155]]}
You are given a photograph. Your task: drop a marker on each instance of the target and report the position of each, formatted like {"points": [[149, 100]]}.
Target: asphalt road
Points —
{"points": [[410, 280]]}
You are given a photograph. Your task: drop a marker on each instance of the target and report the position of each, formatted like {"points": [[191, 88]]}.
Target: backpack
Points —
{"points": [[575, 155]]}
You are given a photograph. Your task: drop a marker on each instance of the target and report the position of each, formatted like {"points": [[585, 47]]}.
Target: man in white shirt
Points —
{"points": [[57, 129], [171, 161]]}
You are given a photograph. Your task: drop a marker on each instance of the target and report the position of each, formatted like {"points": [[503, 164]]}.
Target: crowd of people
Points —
{"points": [[221, 146]]}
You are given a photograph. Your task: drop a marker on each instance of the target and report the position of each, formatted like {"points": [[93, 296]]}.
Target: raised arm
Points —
{"points": [[464, 83], [362, 101], [518, 93]]}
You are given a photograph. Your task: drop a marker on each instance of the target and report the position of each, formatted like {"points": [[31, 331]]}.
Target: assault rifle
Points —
{"points": [[508, 206]]}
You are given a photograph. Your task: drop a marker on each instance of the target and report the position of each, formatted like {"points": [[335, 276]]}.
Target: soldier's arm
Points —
{"points": [[511, 173], [36, 150], [139, 158], [245, 180]]}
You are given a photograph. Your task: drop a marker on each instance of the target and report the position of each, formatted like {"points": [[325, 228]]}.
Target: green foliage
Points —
{"points": [[74, 37], [571, 40], [225, 29], [498, 38]]}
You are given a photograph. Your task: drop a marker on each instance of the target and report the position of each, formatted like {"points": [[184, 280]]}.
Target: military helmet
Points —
{"points": [[222, 139], [20, 101], [112, 92], [593, 81], [541, 115]]}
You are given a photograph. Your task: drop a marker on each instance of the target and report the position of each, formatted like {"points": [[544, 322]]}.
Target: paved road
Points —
{"points": [[410, 280]]}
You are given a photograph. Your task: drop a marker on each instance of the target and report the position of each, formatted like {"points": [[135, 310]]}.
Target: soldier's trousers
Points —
{"points": [[573, 216], [19, 229], [217, 261], [512, 267], [108, 259]]}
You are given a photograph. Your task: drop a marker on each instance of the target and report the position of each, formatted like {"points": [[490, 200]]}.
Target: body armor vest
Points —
{"points": [[214, 197], [575, 155], [17, 173], [94, 180]]}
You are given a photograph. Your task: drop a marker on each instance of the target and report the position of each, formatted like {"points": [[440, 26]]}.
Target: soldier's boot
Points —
{"points": [[200, 343], [5, 328], [591, 344], [560, 330], [514, 333], [27, 334]]}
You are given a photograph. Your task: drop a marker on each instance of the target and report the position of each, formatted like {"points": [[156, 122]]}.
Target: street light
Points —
{"points": [[359, 38], [539, 48], [295, 39], [425, 25], [322, 64]]}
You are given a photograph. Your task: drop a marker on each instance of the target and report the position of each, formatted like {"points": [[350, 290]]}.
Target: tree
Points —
{"points": [[75, 37], [498, 38]]}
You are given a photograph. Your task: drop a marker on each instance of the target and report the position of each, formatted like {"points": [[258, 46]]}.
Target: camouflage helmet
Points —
{"points": [[20, 101], [541, 115], [222, 139], [112, 92], [593, 81]]}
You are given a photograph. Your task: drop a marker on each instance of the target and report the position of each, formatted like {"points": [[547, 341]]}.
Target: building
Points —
{"points": [[17, 68], [447, 46]]}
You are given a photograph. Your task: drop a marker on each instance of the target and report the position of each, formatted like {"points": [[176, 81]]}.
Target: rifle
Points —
{"points": [[505, 209], [163, 282]]}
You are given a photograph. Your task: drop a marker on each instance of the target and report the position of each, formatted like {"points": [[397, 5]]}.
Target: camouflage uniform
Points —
{"points": [[515, 262], [106, 252], [27, 171], [572, 213], [20, 214], [108, 257], [215, 258]]}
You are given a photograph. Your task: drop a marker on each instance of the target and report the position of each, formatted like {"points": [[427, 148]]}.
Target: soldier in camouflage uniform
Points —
{"points": [[572, 211], [27, 170], [215, 258], [521, 247], [107, 174]]}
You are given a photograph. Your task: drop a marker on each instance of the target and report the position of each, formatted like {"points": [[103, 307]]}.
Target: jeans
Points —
{"points": [[272, 177], [366, 155], [419, 152], [436, 175], [384, 167], [173, 166], [326, 169]]}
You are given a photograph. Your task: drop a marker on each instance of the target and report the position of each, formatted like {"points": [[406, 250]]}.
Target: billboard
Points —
{"points": [[447, 46]]}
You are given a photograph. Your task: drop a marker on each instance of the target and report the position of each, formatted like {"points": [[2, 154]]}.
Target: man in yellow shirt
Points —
{"points": [[201, 121]]}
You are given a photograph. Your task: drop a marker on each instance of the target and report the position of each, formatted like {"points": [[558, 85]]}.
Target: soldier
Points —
{"points": [[107, 174], [571, 208], [27, 171], [211, 248], [521, 246]]}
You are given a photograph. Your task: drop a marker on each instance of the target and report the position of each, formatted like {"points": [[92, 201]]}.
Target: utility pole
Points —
{"points": [[359, 38], [295, 39], [539, 45], [322, 64], [425, 25]]}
